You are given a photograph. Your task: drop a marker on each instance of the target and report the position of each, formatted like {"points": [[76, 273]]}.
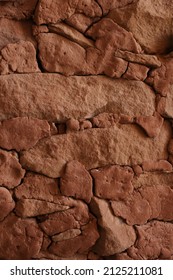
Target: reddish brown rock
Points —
{"points": [[125, 119], [108, 5], [151, 124], [80, 22], [161, 165], [105, 120], [121, 143], [136, 72], [12, 31], [11, 172], [85, 124], [115, 235], [58, 54], [66, 235], [32, 207], [137, 170], [76, 181], [113, 182], [21, 9], [22, 133], [56, 11], [38, 187], [155, 240], [7, 203], [23, 236], [143, 18], [73, 125], [72, 97], [73, 218], [19, 58], [79, 244], [153, 179], [107, 32], [139, 58]]}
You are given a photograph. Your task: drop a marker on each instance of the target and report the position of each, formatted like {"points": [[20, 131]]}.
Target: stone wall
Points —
{"points": [[86, 144]]}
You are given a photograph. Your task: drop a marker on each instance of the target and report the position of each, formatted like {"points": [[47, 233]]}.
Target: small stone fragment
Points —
{"points": [[151, 124], [113, 182], [85, 124], [22, 133], [11, 172], [72, 125], [7, 203], [76, 181], [23, 236], [104, 120]]}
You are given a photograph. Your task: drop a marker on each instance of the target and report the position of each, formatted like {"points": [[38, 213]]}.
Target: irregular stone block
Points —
{"points": [[102, 147], [7, 203], [153, 179], [104, 120], [76, 182], [23, 236], [22, 133], [113, 182], [11, 172], [72, 97], [136, 72], [161, 165], [115, 235]]}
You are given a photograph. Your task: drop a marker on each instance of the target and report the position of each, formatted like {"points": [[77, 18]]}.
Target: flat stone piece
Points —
{"points": [[153, 179], [115, 235], [161, 165], [11, 172], [21, 9], [154, 242], [113, 182], [23, 237], [102, 147], [94, 94], [76, 182], [22, 133], [12, 31], [7, 203]]}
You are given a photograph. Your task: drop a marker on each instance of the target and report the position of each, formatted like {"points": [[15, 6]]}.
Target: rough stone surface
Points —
{"points": [[121, 144], [143, 18], [22, 133], [11, 172], [153, 179], [7, 203], [65, 94], [76, 182], [136, 72], [24, 238], [161, 165], [113, 182], [155, 241], [115, 235]]}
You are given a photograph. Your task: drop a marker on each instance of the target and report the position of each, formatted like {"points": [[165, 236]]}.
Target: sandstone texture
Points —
{"points": [[86, 130]]}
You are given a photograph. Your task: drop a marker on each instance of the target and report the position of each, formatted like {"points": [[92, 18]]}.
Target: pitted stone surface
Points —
{"points": [[121, 145]]}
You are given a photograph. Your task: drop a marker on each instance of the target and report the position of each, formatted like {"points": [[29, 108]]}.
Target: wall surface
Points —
{"points": [[86, 142]]}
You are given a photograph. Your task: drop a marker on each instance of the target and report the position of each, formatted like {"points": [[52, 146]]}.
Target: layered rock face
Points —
{"points": [[86, 142]]}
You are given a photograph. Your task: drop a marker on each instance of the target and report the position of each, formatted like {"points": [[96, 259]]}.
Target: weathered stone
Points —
{"points": [[116, 145], [153, 179], [108, 5], [11, 172], [68, 234], [58, 54], [38, 187], [72, 97], [56, 11], [125, 119], [22, 133], [151, 124], [143, 18], [137, 169], [12, 31], [19, 58], [135, 209], [136, 72], [79, 244], [155, 240], [161, 165], [105, 120], [80, 22], [7, 203], [143, 59], [73, 125], [85, 124], [113, 182], [73, 218], [76, 181], [71, 33], [23, 236], [21, 9], [32, 207], [115, 235], [108, 33]]}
